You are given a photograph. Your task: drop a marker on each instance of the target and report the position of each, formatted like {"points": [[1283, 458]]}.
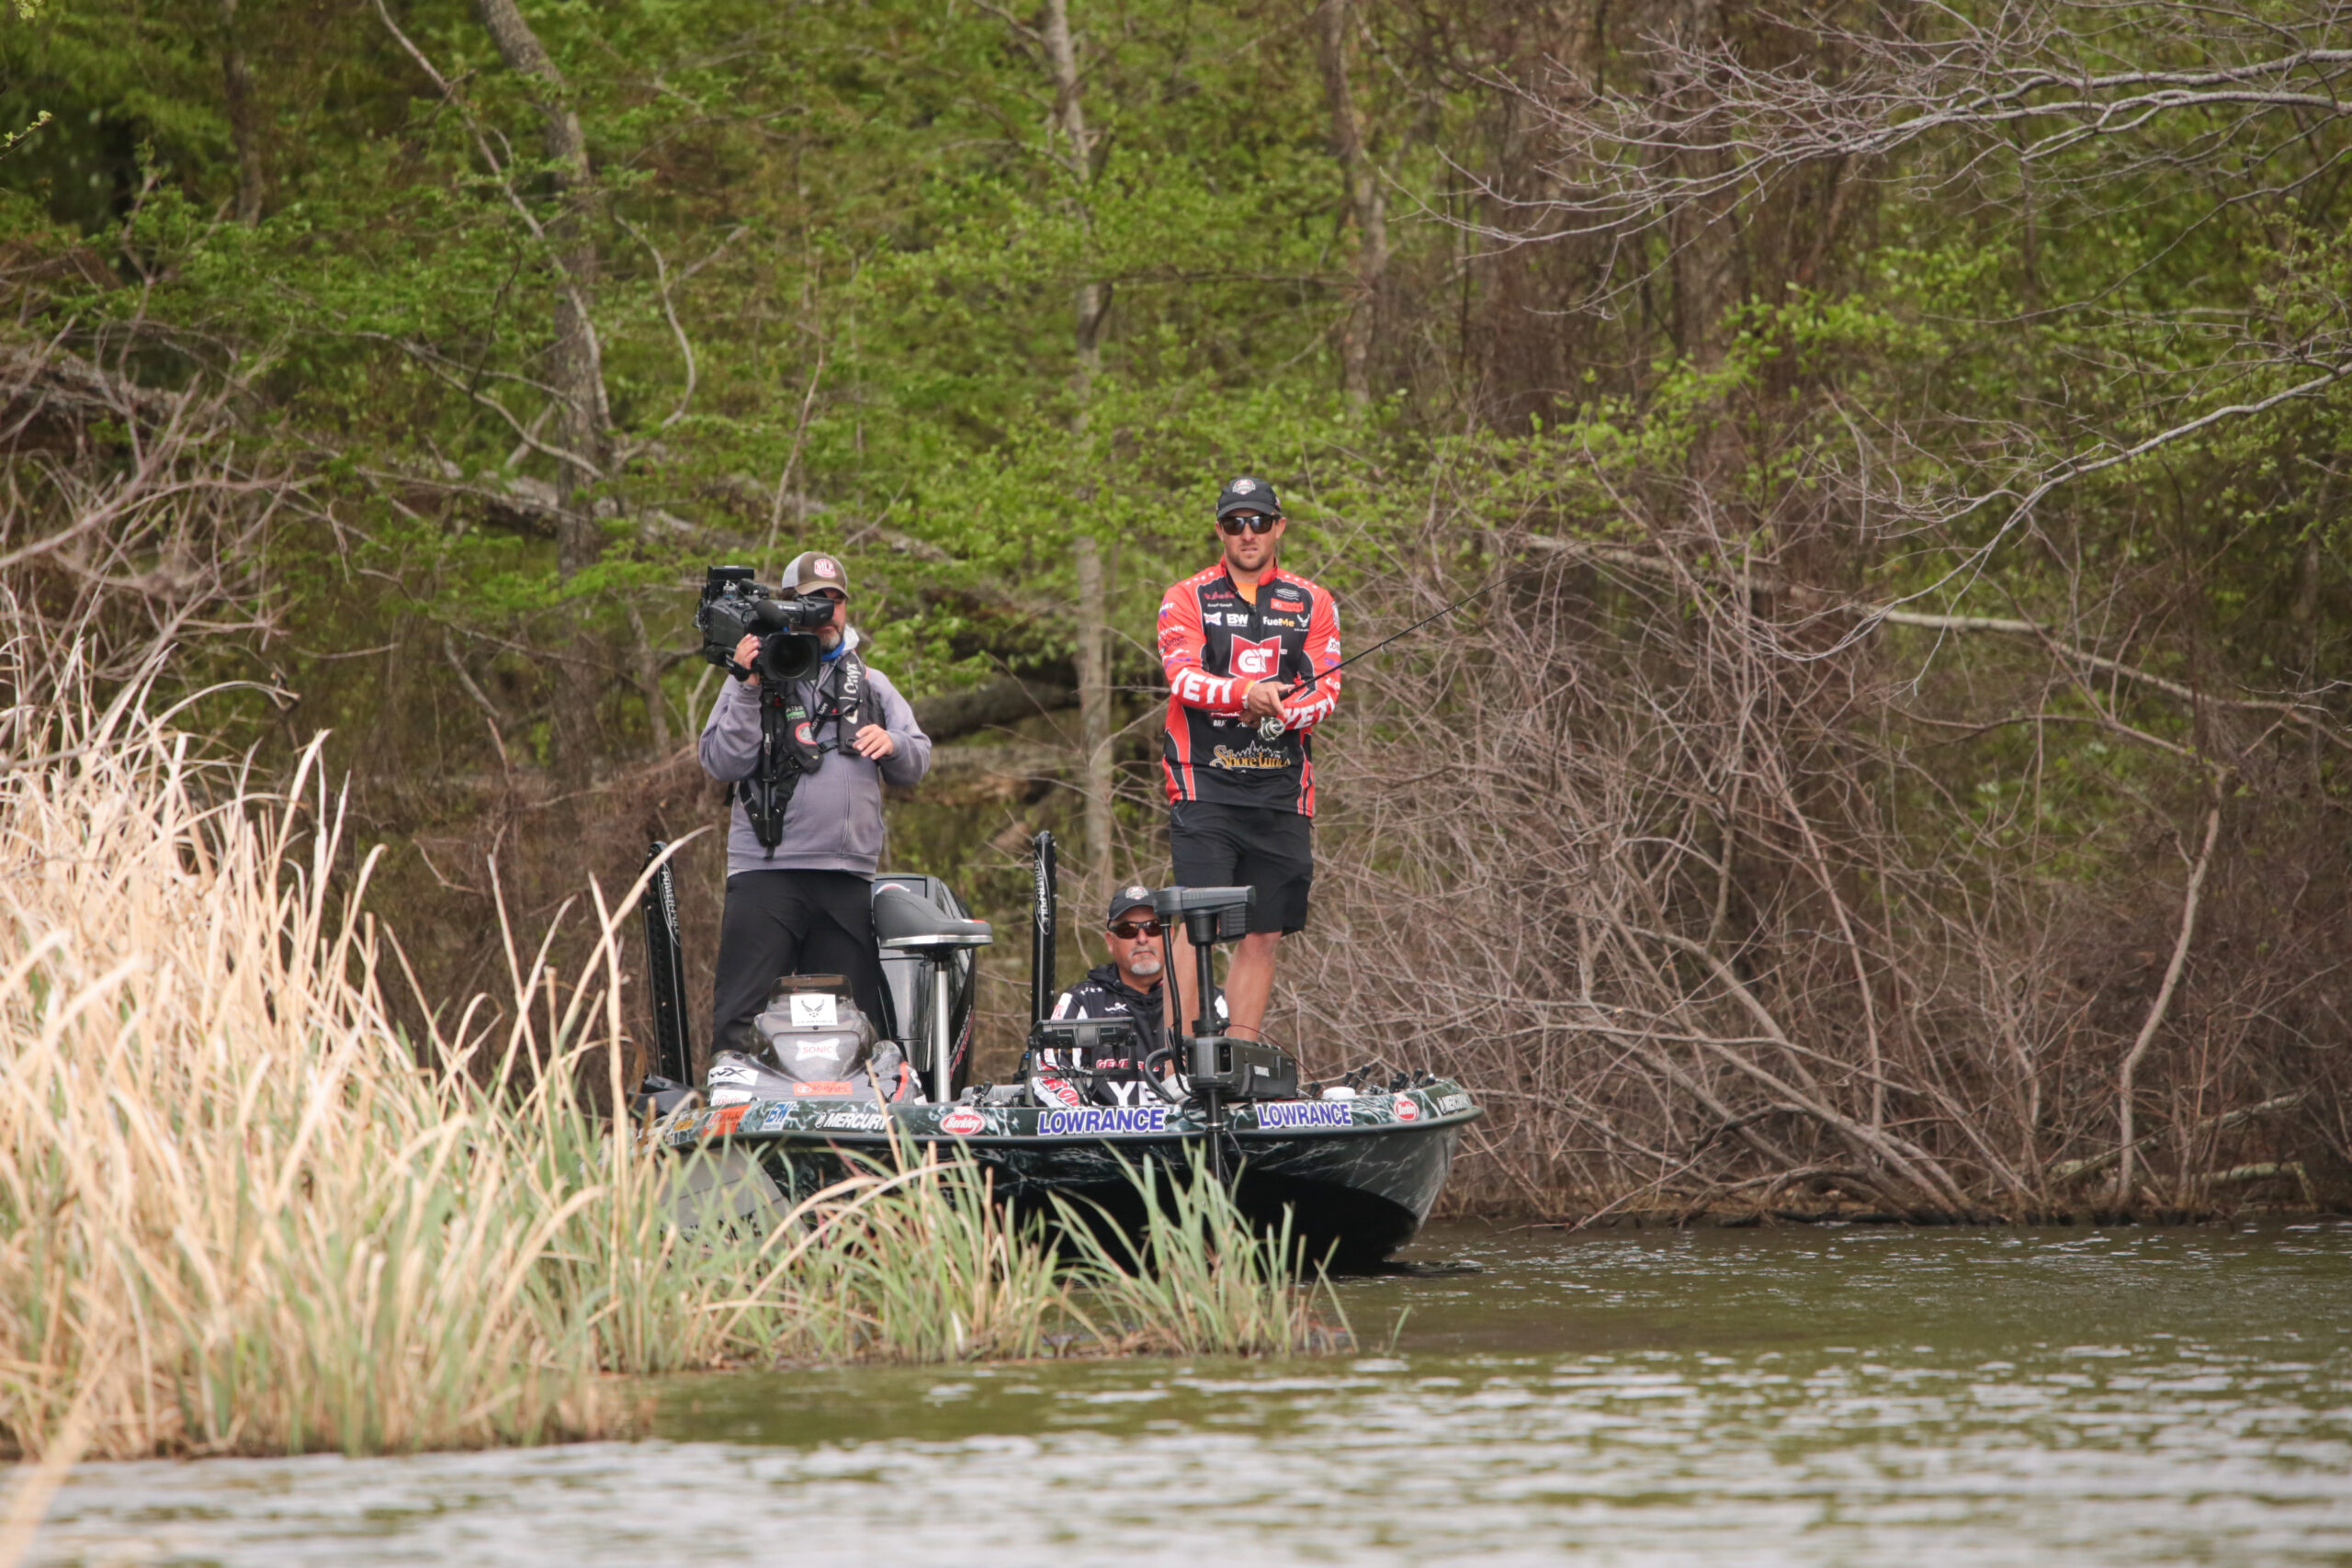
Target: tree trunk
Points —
{"points": [[577, 374], [237, 87], [1091, 302], [575, 365], [1366, 202], [1093, 299], [1094, 710]]}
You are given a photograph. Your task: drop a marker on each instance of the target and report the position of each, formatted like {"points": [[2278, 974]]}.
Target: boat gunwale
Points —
{"points": [[824, 1135], [905, 1113]]}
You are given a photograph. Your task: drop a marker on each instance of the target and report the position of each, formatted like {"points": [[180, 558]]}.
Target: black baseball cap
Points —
{"points": [[1247, 493], [1126, 898]]}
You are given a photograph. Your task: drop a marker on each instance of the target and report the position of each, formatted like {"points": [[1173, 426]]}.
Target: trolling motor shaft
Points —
{"points": [[1221, 1067]]}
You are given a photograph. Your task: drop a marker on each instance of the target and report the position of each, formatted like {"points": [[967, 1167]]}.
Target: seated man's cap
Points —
{"points": [[1247, 493], [812, 570], [1126, 898]]}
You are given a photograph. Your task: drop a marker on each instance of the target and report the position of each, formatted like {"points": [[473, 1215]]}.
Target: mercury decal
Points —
{"points": [[1448, 1103]]}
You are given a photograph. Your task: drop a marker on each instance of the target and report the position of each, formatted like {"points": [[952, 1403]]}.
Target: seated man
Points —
{"points": [[1131, 986]]}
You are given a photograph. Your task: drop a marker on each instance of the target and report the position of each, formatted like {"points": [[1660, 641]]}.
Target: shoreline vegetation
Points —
{"points": [[245, 1212], [1901, 765]]}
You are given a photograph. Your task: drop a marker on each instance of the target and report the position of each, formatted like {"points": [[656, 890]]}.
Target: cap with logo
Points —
{"points": [[1247, 493], [1126, 898], [813, 569]]}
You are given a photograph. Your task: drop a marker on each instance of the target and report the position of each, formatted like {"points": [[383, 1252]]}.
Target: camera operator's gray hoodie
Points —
{"points": [[835, 820]]}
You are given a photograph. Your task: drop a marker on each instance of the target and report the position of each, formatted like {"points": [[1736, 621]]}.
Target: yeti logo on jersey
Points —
{"points": [[1256, 659]]}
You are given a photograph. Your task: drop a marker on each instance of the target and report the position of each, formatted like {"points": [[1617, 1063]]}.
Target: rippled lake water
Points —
{"points": [[1839, 1395]]}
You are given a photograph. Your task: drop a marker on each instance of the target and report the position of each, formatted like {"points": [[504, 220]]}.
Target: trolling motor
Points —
{"points": [[1220, 1067]]}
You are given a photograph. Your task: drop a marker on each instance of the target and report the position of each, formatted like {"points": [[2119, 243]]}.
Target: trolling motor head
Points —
{"points": [[1219, 1065]]}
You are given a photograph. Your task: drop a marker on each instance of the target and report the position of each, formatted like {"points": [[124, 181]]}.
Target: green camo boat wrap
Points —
{"points": [[1356, 1177]]}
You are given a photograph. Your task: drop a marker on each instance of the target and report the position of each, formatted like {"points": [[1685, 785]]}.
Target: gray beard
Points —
{"points": [[829, 637], [1144, 969]]}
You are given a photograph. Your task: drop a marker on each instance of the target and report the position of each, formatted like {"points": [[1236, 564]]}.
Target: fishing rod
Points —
{"points": [[1271, 729]]}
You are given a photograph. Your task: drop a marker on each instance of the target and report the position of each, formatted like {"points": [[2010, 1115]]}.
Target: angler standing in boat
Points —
{"points": [[1251, 653], [803, 904]]}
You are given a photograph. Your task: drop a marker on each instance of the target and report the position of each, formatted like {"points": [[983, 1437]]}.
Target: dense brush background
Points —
{"points": [[1903, 770]]}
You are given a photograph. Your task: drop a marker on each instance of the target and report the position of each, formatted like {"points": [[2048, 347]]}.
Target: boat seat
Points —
{"points": [[905, 922]]}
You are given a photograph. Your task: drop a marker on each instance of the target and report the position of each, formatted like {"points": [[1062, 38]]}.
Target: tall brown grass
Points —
{"points": [[241, 1211]]}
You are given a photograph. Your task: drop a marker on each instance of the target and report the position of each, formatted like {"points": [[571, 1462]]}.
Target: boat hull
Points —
{"points": [[1355, 1179]]}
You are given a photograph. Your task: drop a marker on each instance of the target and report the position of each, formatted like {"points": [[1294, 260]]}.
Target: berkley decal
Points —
{"points": [[1406, 1109], [1447, 1104], [725, 1122], [1275, 1114], [962, 1122], [1103, 1119]]}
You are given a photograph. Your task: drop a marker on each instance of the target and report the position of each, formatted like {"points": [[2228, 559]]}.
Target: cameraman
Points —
{"points": [[806, 906]]}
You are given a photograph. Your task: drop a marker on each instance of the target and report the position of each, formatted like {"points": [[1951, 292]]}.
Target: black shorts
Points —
{"points": [[1266, 847]]}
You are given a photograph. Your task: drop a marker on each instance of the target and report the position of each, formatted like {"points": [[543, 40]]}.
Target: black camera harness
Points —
{"points": [[788, 743]]}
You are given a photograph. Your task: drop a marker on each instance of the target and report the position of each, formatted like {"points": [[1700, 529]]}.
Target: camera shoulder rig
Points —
{"points": [[788, 743]]}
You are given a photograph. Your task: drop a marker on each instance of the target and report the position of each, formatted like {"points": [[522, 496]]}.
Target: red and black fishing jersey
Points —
{"points": [[1214, 642]]}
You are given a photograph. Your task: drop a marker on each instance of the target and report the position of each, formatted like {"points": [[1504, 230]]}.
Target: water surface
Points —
{"points": [[1835, 1396]]}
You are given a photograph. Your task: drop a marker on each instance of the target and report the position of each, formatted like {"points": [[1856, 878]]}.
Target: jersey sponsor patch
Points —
{"points": [[1258, 660]]}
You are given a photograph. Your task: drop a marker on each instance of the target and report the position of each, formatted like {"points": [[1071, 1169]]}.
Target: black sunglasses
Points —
{"points": [[1256, 521], [1127, 930]]}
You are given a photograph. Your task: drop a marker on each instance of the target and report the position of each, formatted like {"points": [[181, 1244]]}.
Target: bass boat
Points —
{"points": [[1354, 1168]]}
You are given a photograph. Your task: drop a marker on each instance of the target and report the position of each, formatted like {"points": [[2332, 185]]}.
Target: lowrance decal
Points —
{"points": [[1099, 1119], [1274, 1115]]}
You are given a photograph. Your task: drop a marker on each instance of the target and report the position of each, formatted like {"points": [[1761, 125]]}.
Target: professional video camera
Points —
{"points": [[734, 607]]}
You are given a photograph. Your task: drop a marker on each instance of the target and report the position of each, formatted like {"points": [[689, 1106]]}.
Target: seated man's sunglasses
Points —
{"points": [[1256, 521], [1127, 930]]}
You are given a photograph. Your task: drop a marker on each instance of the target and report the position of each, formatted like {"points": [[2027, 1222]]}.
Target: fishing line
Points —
{"points": [[1271, 729]]}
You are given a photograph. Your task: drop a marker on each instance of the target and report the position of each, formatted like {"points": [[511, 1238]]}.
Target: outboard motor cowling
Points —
{"points": [[816, 1043]]}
